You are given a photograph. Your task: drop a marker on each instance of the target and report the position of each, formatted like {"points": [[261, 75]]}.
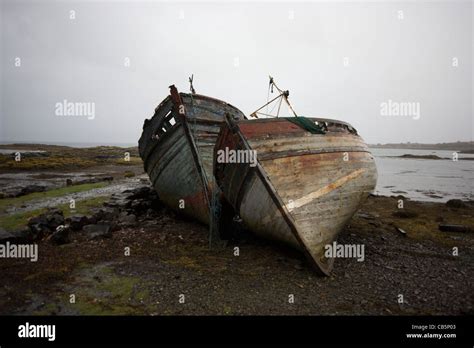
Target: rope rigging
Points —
{"points": [[282, 96]]}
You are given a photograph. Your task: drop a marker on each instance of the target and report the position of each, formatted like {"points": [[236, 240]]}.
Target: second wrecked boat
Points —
{"points": [[297, 180], [177, 146], [306, 184]]}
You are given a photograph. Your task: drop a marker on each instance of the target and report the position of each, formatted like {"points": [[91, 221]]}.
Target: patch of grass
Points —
{"points": [[18, 201], [227, 310], [49, 273], [422, 220], [184, 261], [422, 230], [16, 221], [133, 161], [83, 207], [13, 222], [53, 162], [103, 292], [129, 174], [47, 309], [65, 157]]}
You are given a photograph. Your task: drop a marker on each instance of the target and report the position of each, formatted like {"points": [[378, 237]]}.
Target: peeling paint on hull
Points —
{"points": [[305, 188], [177, 146]]}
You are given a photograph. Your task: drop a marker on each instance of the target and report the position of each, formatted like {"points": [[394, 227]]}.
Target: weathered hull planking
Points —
{"points": [[177, 146], [305, 187]]}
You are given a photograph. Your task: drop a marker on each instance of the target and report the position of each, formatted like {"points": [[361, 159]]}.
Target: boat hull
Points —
{"points": [[306, 186], [177, 146]]}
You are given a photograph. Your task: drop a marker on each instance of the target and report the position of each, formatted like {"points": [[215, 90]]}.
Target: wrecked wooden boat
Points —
{"points": [[177, 147], [310, 177]]}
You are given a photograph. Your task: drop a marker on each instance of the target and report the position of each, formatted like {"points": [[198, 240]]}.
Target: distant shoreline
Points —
{"points": [[71, 144], [429, 157], [460, 146]]}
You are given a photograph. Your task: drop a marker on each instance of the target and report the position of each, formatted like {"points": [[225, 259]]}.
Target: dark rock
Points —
{"points": [[117, 201], [140, 193], [44, 224], [92, 180], [405, 214], [85, 181], [139, 206], [32, 154], [76, 222], [409, 155], [31, 189], [40, 219], [55, 220], [138, 202], [38, 231], [127, 219], [20, 236], [97, 231], [456, 203], [23, 235], [151, 213], [5, 236], [106, 213], [52, 218], [114, 226], [61, 235], [455, 228], [52, 211], [91, 220], [104, 157]]}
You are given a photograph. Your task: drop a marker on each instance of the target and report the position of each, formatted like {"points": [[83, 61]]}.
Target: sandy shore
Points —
{"points": [[158, 263]]}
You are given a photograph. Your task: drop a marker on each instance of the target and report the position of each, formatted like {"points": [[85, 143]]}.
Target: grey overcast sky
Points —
{"points": [[339, 60]]}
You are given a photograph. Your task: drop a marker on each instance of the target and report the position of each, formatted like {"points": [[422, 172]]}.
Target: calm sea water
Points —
{"points": [[424, 179]]}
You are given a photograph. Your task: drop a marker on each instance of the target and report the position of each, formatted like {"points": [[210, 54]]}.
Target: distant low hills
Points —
{"points": [[459, 146]]}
